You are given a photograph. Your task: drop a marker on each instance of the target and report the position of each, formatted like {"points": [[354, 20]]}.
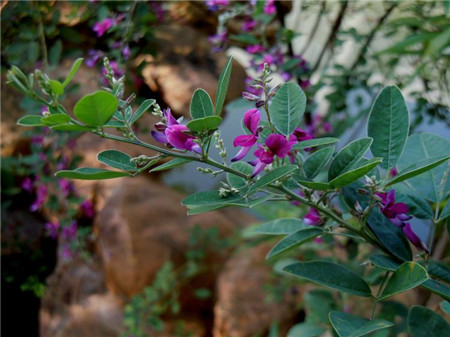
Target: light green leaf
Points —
{"points": [[423, 322], [438, 288], [315, 143], [89, 173], [294, 240], [201, 104], [117, 159], [384, 262], [358, 171], [147, 104], [204, 124], [408, 276], [276, 174], [56, 119], [96, 109], [76, 65], [438, 43], [222, 86], [317, 161], [281, 226], [71, 127], [388, 125], [171, 164], [55, 52], [330, 275], [57, 87], [306, 330], [287, 108], [347, 325], [237, 181], [348, 157], [209, 198], [314, 185], [247, 203], [31, 120], [418, 168]]}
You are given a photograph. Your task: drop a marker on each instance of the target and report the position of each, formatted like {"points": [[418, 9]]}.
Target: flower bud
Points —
{"points": [[250, 97]]}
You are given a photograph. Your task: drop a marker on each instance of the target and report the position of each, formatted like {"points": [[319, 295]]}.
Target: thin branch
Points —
{"points": [[315, 27]]}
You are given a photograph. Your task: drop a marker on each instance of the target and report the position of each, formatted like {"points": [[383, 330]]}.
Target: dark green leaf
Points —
{"points": [[423, 322], [56, 119], [117, 159], [445, 306], [330, 275], [276, 174], [445, 211], [201, 104], [356, 172], [384, 262], [55, 52], [76, 65], [204, 124], [96, 109], [71, 127], [306, 330], [439, 270], [347, 325], [408, 276], [317, 161], [147, 104], [388, 125], [389, 235], [287, 108], [235, 180], [438, 288], [247, 203], [244, 38], [417, 205], [314, 185], [208, 198], [348, 157], [89, 173], [281, 226], [315, 143], [31, 120], [222, 86], [57, 87], [294, 240], [171, 164]]}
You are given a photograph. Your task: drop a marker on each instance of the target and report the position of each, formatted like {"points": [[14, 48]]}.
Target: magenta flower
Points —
{"points": [[67, 253], [65, 186], [304, 84], [276, 145], [52, 229], [70, 232], [250, 88], [41, 198], [87, 209], [301, 135], [395, 212], [214, 5], [103, 26], [269, 7], [312, 218], [251, 121], [248, 25], [286, 76], [27, 184], [218, 40], [126, 52], [93, 57], [254, 48], [414, 238], [175, 134], [393, 172]]}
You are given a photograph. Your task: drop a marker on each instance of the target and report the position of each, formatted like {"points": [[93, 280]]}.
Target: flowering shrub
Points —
{"points": [[374, 210]]}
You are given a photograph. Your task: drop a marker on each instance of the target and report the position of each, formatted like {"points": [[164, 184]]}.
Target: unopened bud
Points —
{"points": [[250, 97], [260, 103], [274, 90], [362, 191], [358, 207]]}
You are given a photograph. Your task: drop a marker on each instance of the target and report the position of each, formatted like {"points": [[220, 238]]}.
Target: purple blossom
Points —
{"points": [[269, 7], [414, 238], [214, 5], [41, 198], [27, 184], [126, 52], [301, 134], [218, 40], [254, 48], [67, 253], [69, 233], [250, 88], [52, 229], [276, 145], [286, 76], [103, 26], [393, 172], [44, 110], [251, 120], [93, 57], [312, 218], [249, 25], [305, 84], [395, 212], [175, 134], [65, 186], [87, 209], [37, 140]]}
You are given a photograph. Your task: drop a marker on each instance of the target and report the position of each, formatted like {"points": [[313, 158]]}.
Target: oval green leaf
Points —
{"points": [[204, 124], [90, 173], [222, 86], [331, 275], [31, 120], [294, 240], [314, 185], [276, 174], [384, 262], [56, 119], [201, 104], [71, 127], [96, 109], [358, 171], [423, 322], [117, 159], [57, 87], [235, 180], [317, 161], [348, 157], [388, 125], [147, 104], [171, 164], [315, 143], [76, 65], [347, 325], [306, 329], [280, 226], [438, 288], [287, 108]]}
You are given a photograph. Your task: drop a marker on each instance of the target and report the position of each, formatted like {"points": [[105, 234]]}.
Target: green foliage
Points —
{"points": [[117, 159], [89, 173], [310, 143], [423, 322], [238, 181], [209, 123], [314, 164], [222, 86], [171, 164], [96, 109], [201, 104], [347, 325], [281, 226], [271, 177]]}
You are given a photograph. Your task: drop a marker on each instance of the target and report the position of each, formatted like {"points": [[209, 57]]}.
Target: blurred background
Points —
{"points": [[121, 257]]}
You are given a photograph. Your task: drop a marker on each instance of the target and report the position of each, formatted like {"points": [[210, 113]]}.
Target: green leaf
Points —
{"points": [[96, 109], [408, 276], [306, 330], [317, 161], [281, 226], [201, 104], [204, 124], [418, 168], [209, 198], [384, 262], [438, 288], [276, 174], [348, 157], [423, 322], [71, 127], [358, 171], [55, 52], [294, 240], [315, 143], [445, 306], [445, 211], [171, 164], [347, 325], [147, 104], [438, 43], [90, 173], [235, 180], [389, 235], [287, 108], [56, 119], [117, 159], [248, 203], [76, 65], [330, 275], [314, 185], [417, 205], [439, 270], [222, 86], [57, 87], [429, 184], [31, 120], [388, 125]]}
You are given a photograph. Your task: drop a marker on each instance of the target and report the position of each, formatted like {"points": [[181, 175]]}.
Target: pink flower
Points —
{"points": [[67, 253], [65, 186], [52, 229], [254, 48], [27, 184], [214, 5], [126, 52], [286, 76], [41, 198], [69, 233], [301, 135], [312, 218], [93, 57], [269, 7], [414, 238], [393, 172], [395, 212], [251, 120], [248, 25], [103, 26], [87, 209]]}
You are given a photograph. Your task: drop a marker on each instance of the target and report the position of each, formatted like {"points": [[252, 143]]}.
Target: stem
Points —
{"points": [[314, 29], [379, 293], [43, 42]]}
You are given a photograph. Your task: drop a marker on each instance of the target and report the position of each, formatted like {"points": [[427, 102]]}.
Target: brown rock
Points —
{"points": [[241, 309]]}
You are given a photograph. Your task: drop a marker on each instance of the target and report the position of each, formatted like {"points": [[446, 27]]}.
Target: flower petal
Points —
{"points": [[242, 153], [159, 137], [251, 120], [244, 140], [414, 238]]}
